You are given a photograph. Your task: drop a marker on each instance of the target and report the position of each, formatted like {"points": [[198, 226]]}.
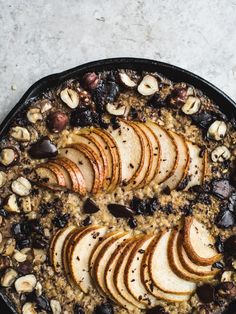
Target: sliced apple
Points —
{"points": [[77, 179], [198, 243], [109, 277], [85, 162], [119, 275], [82, 247], [183, 161], [155, 145], [66, 174], [175, 262], [110, 150], [189, 265], [131, 148], [89, 140], [133, 280], [148, 283], [140, 180], [160, 271], [102, 259], [57, 245], [197, 166], [168, 151], [49, 176]]}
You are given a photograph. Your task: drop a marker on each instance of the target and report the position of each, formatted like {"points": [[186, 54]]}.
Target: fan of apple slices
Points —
{"points": [[133, 155], [136, 271]]}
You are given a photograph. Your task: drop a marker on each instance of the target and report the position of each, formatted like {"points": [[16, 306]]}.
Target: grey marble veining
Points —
{"points": [[41, 37]]}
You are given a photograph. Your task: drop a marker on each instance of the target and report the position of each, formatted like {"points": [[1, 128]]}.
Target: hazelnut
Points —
{"points": [[90, 80], [38, 289], [192, 105], [25, 283], [34, 115], [33, 133], [217, 130], [19, 257], [116, 110], [70, 97], [7, 247], [220, 154], [148, 86], [9, 156], [126, 80], [20, 134], [29, 308], [226, 276], [45, 105], [55, 306], [11, 204], [3, 179], [21, 186], [39, 256], [8, 277], [57, 121]]}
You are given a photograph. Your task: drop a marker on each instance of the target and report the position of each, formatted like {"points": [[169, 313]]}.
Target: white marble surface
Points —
{"points": [[41, 37]]}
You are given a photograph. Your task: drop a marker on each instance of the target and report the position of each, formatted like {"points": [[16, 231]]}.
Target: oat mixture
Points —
{"points": [[36, 205]]}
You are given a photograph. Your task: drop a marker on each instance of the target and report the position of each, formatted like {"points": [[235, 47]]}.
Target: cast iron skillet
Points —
{"points": [[176, 74]]}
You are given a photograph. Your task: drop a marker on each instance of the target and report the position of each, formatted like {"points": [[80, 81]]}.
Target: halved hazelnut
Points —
{"points": [[8, 278], [3, 179], [70, 97], [45, 105], [19, 257], [217, 130], [20, 134], [7, 247], [148, 86], [220, 154], [34, 115], [126, 80], [226, 276], [11, 204], [38, 289], [25, 204], [115, 110], [25, 283], [55, 306], [29, 308], [21, 186], [39, 256], [192, 105], [9, 156]]}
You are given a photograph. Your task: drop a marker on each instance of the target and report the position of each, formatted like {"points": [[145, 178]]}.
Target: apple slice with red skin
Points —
{"points": [[50, 176], [77, 179], [66, 174]]}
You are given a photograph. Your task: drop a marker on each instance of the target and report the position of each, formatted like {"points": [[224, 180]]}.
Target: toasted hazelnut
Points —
{"points": [[11, 204], [7, 247], [25, 283], [39, 256], [57, 121], [45, 105], [20, 134], [21, 186], [90, 80], [115, 110], [70, 97], [25, 204], [29, 308], [9, 156], [55, 306], [192, 105], [226, 276], [126, 80], [3, 179], [217, 130], [220, 154], [19, 257], [8, 277], [34, 115], [38, 289], [148, 86]]}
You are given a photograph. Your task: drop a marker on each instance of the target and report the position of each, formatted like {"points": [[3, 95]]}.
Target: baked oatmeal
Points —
{"points": [[118, 196]]}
